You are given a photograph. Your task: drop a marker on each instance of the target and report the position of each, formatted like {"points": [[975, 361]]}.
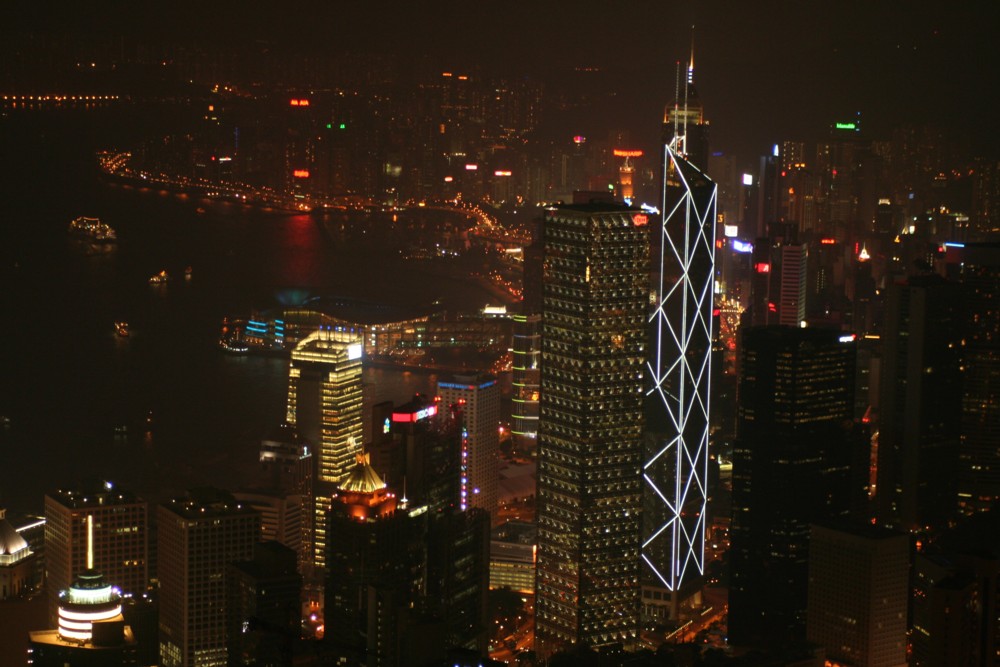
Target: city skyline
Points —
{"points": [[769, 71]]}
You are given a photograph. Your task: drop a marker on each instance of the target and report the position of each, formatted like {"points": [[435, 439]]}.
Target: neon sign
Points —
{"points": [[301, 173], [640, 219]]}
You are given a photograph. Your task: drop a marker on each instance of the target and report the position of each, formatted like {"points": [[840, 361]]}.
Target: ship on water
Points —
{"points": [[92, 229]]}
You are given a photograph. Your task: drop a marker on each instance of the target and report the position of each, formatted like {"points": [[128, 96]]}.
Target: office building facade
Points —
{"points": [[199, 536], [121, 542], [325, 406], [590, 425], [479, 400]]}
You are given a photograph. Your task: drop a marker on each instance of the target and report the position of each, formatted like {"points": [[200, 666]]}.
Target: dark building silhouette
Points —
{"points": [[403, 583], [920, 405], [264, 606], [590, 425], [795, 462]]}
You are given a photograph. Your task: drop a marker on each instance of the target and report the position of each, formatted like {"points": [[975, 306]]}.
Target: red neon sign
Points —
{"points": [[621, 152], [301, 173], [299, 102], [640, 219], [828, 241], [763, 267]]}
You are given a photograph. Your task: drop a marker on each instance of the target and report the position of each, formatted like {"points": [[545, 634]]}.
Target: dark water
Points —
{"points": [[193, 414]]}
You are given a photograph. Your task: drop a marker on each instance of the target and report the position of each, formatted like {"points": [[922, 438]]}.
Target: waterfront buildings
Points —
{"points": [[479, 399], [324, 405], [121, 542], [792, 466], [590, 425], [199, 536], [675, 461], [858, 591]]}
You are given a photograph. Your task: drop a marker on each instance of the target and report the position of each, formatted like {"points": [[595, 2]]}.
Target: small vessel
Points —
{"points": [[234, 345], [121, 328], [159, 278], [92, 229]]}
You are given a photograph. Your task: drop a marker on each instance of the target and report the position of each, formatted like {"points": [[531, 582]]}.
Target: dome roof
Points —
{"points": [[362, 478], [11, 541]]}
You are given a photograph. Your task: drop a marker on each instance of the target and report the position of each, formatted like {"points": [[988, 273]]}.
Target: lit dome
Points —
{"points": [[362, 478], [11, 542]]}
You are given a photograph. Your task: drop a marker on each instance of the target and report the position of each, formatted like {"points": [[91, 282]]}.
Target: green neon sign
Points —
{"points": [[846, 126]]}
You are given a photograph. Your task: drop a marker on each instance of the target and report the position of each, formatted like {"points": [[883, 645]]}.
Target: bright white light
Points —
{"points": [[731, 231], [354, 351], [747, 179]]}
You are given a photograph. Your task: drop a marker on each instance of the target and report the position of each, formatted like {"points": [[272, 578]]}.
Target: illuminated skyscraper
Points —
{"points": [[676, 458], [590, 425], [120, 539], [479, 397], [324, 404]]}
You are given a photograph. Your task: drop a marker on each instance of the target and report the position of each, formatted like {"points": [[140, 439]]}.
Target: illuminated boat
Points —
{"points": [[121, 328], [92, 229], [159, 279]]}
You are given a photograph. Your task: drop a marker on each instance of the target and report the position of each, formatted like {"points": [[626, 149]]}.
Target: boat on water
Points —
{"points": [[160, 278], [121, 328], [92, 229], [234, 346]]}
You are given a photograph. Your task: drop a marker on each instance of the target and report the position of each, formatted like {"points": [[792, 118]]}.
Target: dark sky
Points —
{"points": [[767, 71]]}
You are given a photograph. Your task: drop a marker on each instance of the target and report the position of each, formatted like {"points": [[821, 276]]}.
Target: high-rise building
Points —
{"points": [[794, 463], [198, 537], [792, 291], [479, 398], [590, 425], [675, 466], [858, 591], [976, 266], [120, 538], [921, 405], [324, 404]]}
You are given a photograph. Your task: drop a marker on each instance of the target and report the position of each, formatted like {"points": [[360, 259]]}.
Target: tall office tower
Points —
{"points": [[199, 536], [684, 126], [264, 606], [121, 542], [375, 567], [858, 592], [281, 515], [288, 460], [792, 288], [324, 404], [17, 561], [921, 405], [479, 396], [527, 345], [590, 425], [676, 459], [793, 460], [976, 266]]}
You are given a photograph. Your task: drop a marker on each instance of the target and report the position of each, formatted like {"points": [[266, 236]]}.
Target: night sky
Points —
{"points": [[767, 71]]}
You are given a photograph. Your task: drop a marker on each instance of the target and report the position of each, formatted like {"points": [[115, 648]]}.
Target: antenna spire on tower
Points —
{"points": [[90, 541]]}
